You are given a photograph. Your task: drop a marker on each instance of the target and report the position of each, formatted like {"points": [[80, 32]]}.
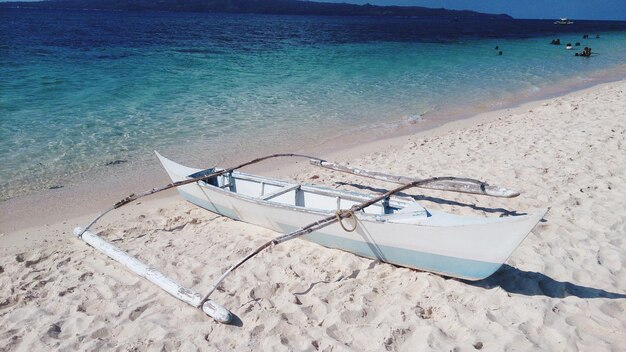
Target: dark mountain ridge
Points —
{"points": [[275, 7]]}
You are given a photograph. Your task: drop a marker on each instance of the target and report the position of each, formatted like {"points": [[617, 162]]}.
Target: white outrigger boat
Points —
{"points": [[393, 230], [384, 227]]}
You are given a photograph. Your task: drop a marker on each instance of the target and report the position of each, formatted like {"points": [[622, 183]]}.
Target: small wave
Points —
{"points": [[113, 56], [415, 118], [532, 89], [198, 51]]}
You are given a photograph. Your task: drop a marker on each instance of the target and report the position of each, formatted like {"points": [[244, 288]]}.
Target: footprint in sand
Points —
{"points": [[354, 316], [9, 302], [85, 276], [30, 263], [137, 312], [100, 333], [54, 330], [63, 262], [66, 291]]}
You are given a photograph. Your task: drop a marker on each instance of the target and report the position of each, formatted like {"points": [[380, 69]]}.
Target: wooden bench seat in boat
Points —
{"points": [[279, 192]]}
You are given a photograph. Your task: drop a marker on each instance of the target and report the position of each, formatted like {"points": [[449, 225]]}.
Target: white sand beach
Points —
{"points": [[563, 289]]}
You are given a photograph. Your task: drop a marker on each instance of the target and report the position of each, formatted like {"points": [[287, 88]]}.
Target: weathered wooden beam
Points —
{"points": [[462, 185], [187, 295], [278, 192]]}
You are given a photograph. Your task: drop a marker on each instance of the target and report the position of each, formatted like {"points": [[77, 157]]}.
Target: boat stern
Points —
{"points": [[517, 235]]}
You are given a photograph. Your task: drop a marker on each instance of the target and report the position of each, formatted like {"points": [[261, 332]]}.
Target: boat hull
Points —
{"points": [[450, 245]]}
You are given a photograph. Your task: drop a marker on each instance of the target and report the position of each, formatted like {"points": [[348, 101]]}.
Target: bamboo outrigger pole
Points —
{"points": [[133, 197], [185, 294], [453, 184], [456, 184]]}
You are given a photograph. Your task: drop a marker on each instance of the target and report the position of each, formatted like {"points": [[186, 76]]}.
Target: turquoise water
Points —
{"points": [[85, 92]]}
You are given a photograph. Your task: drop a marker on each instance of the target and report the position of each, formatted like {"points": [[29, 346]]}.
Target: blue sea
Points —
{"points": [[86, 91]]}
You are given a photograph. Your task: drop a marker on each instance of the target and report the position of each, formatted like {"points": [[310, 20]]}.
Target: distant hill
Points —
{"points": [[276, 7]]}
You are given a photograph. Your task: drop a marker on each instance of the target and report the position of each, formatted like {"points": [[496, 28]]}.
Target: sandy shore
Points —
{"points": [[563, 289]]}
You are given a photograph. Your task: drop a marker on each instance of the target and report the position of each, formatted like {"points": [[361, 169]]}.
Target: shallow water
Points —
{"points": [[83, 89]]}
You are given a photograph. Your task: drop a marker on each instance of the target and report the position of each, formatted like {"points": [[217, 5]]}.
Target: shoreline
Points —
{"points": [[89, 196]]}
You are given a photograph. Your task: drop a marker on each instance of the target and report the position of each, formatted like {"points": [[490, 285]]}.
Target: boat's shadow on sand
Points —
{"points": [[532, 283]]}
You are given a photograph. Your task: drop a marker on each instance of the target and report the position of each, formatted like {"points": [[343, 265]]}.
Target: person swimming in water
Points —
{"points": [[586, 52]]}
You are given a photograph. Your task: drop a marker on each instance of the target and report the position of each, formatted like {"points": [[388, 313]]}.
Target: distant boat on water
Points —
{"points": [[563, 21]]}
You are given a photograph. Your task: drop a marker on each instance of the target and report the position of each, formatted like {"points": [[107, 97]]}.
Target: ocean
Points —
{"points": [[87, 91]]}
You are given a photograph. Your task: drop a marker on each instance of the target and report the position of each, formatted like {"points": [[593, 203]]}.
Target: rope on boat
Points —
{"points": [[350, 214]]}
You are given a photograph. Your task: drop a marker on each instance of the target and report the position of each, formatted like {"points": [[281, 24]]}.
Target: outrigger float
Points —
{"points": [[383, 227]]}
